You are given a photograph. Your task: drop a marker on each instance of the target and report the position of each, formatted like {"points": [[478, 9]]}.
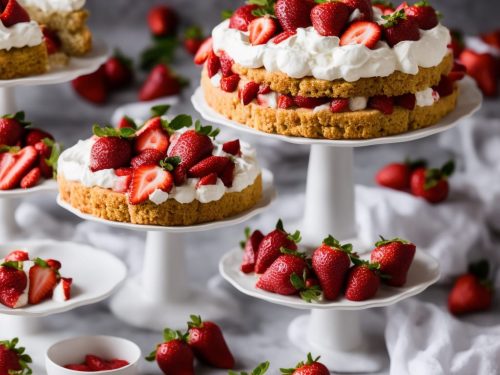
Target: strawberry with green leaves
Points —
{"points": [[112, 149], [311, 366], [423, 14], [250, 246], [259, 370], [174, 356], [399, 27], [193, 39], [118, 71], [432, 184], [13, 282], [13, 359], [12, 129], [363, 280]]}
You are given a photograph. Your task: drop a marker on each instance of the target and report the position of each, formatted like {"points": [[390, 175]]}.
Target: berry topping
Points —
{"points": [[249, 92], [329, 19], [147, 179], [363, 6], [213, 64], [285, 102], [262, 30], [230, 84], [308, 102], [210, 179], [232, 147], [407, 101], [362, 32], [293, 14], [339, 105], [12, 13], [384, 104], [399, 27], [226, 65], [152, 136], [423, 14], [284, 36], [149, 156], [203, 52], [242, 17], [212, 164], [112, 149]]}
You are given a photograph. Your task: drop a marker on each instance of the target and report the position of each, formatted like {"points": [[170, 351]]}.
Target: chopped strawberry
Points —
{"points": [[423, 14], [51, 39], [264, 89], [77, 367], [147, 179], [249, 92], [362, 32], [329, 19], [149, 156], [13, 13], [284, 36], [339, 105], [285, 102], [210, 179], [92, 87], [230, 84], [262, 30], [232, 147], [152, 136], [293, 14], [110, 153], [384, 104], [160, 82], [227, 176], [212, 164], [203, 52], [35, 135], [363, 6], [123, 172], [242, 17], [226, 65], [399, 27], [408, 101], [483, 68], [163, 21], [43, 280], [117, 363], [13, 167], [65, 284], [213, 64], [17, 256], [95, 363], [308, 102], [31, 179], [458, 72], [445, 87], [267, 100]]}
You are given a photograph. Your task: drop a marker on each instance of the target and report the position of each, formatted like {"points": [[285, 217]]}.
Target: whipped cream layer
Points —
{"points": [[74, 165], [309, 54], [23, 34], [50, 6]]}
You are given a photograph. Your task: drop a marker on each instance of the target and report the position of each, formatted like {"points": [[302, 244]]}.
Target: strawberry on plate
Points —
{"points": [[13, 359], [17, 256], [262, 30], [395, 258], [423, 14], [174, 356], [14, 165], [31, 179], [242, 17], [147, 179], [250, 247], [42, 281], [13, 13], [363, 281], [112, 149], [362, 32], [293, 14], [432, 184], [12, 129], [329, 19], [311, 366], [13, 282], [399, 27]]}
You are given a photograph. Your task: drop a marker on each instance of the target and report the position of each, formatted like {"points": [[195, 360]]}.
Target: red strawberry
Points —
{"points": [[395, 258], [160, 82], [226, 65], [384, 104], [35, 135], [126, 122], [118, 71], [230, 84], [13, 13], [403, 5], [264, 89], [152, 136], [423, 14], [12, 129], [250, 246], [457, 43], [483, 68], [13, 167], [192, 146], [51, 39], [117, 363], [149, 156], [110, 153], [285, 102], [407, 101], [329, 19], [17, 256], [364, 7], [209, 179], [203, 52], [262, 30], [445, 87], [31, 179], [13, 282], [208, 344], [242, 17], [212, 164], [193, 39], [278, 277], [174, 356], [147, 179], [473, 291], [124, 178], [162, 21], [124, 172], [399, 27], [397, 175], [362, 32], [13, 360], [432, 184], [458, 72], [385, 6], [213, 64], [270, 247], [331, 262], [65, 284], [339, 105], [43, 280], [54, 264], [362, 282], [232, 147], [227, 175], [284, 36], [92, 87], [492, 38], [95, 363], [293, 14], [45, 153], [77, 367], [308, 102], [309, 367], [249, 92]]}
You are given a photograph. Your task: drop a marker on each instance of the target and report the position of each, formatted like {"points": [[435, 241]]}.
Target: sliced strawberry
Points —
{"points": [[285, 102], [382, 103], [329, 19], [31, 179], [362, 32], [308, 102], [203, 52], [147, 179], [149, 156], [65, 284], [117, 363], [408, 101], [458, 72], [51, 39], [213, 64], [17, 256], [262, 30], [232, 147], [13, 13], [153, 137], [210, 179], [230, 84], [13, 167], [212, 164], [264, 89], [227, 176], [249, 92], [445, 87], [180, 175], [267, 100], [226, 65], [284, 36], [339, 105], [43, 280], [242, 17], [123, 172], [95, 363]]}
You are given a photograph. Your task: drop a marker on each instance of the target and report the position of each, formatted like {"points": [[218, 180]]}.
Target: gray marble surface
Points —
{"points": [[260, 332]]}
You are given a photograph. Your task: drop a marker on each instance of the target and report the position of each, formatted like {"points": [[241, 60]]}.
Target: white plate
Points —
{"points": [[47, 185], [269, 194], [77, 66], [469, 102], [423, 273], [80, 262]]}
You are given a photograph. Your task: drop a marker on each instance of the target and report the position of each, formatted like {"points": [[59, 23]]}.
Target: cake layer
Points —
{"points": [[22, 62], [308, 123], [395, 84], [109, 205]]}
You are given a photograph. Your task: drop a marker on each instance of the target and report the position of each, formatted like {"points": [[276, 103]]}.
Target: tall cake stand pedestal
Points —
{"points": [[161, 296], [76, 67], [329, 209], [80, 262]]}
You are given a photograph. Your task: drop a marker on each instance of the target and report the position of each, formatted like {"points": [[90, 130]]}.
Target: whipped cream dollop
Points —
{"points": [[74, 165], [54, 5], [23, 34], [309, 54]]}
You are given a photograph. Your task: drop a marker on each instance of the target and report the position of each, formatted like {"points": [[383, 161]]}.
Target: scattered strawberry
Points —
{"points": [[110, 153], [226, 65], [483, 68], [14, 166], [213, 64], [230, 84], [395, 258], [264, 89], [329, 19], [149, 156], [35, 136], [209, 179], [118, 71], [232, 147], [12, 129], [423, 14], [193, 146], [65, 284], [432, 184], [42, 281], [362, 32], [386, 7], [362, 282], [174, 356], [13, 360], [293, 14], [309, 102], [473, 291], [262, 30], [284, 36], [51, 39], [249, 92], [152, 136], [407, 101], [398, 175], [457, 72], [126, 122], [241, 18], [203, 52], [399, 27], [364, 7], [384, 104], [13, 282], [17, 256], [309, 367], [193, 39], [227, 175], [31, 179], [212, 164], [159, 83], [92, 87], [250, 247], [147, 179], [162, 21], [13, 13], [285, 102]]}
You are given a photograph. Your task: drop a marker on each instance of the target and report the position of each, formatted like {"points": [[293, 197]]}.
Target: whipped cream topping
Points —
{"points": [[54, 5], [74, 165], [309, 54], [23, 34], [427, 97]]}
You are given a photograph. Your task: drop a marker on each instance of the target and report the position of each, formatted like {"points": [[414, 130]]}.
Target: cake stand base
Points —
{"points": [[8, 225]]}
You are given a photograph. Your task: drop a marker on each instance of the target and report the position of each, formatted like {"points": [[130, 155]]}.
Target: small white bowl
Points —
{"points": [[74, 351]]}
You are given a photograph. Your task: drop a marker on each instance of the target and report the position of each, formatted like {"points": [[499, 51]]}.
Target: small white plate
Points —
{"points": [[45, 186]]}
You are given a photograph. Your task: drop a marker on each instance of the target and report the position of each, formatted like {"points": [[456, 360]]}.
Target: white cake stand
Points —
{"points": [[161, 296], [82, 263], [76, 67], [329, 209]]}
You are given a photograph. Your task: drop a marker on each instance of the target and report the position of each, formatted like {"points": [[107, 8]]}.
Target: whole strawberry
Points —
{"points": [[423, 14], [271, 245], [208, 343], [473, 291], [250, 247], [483, 68], [363, 281], [118, 71], [395, 258], [398, 175], [13, 360], [331, 262], [174, 356], [242, 17], [398, 28], [329, 19], [92, 87], [163, 21], [193, 39], [311, 366], [160, 82], [12, 129], [432, 184], [293, 14], [112, 149]]}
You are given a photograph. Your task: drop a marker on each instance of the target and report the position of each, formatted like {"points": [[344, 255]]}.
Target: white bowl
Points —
{"points": [[107, 347]]}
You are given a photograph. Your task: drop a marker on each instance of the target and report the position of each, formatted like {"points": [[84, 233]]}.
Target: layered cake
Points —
{"points": [[164, 172], [22, 48], [338, 70]]}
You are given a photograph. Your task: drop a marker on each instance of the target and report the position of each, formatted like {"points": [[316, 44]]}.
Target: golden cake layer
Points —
{"points": [[23, 62], [109, 205], [393, 85], [302, 122]]}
